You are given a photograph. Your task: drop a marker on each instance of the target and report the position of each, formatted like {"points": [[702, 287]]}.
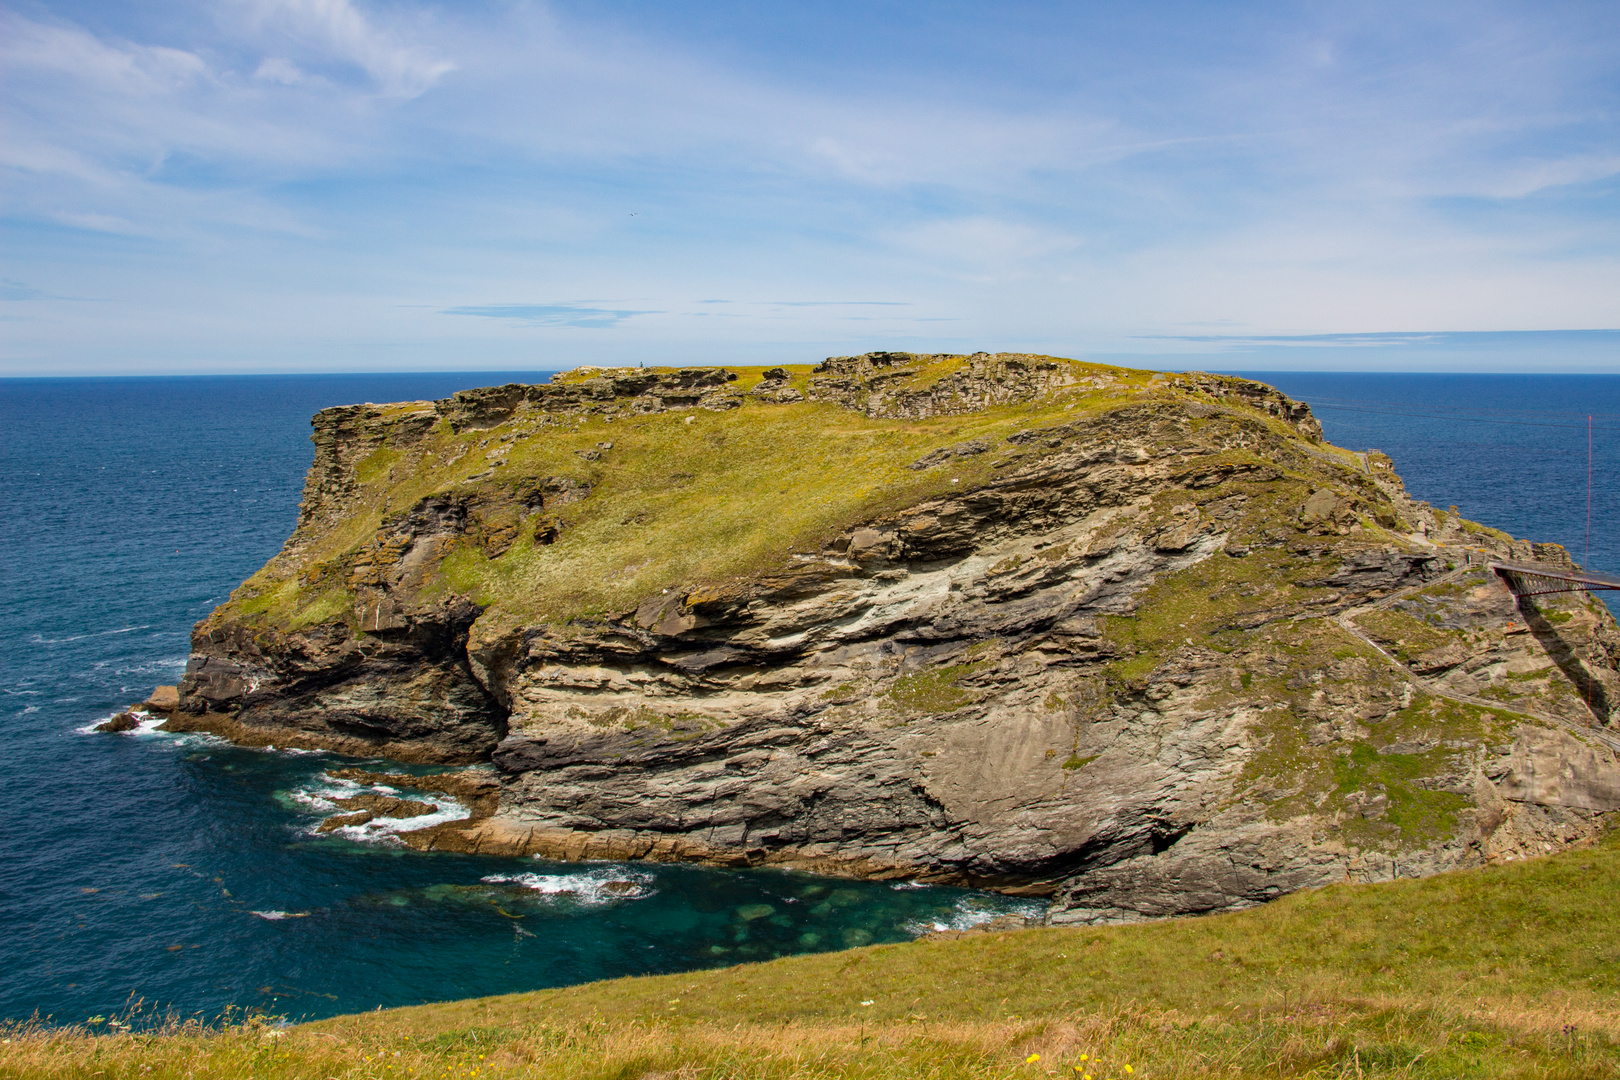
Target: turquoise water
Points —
{"points": [[184, 871]]}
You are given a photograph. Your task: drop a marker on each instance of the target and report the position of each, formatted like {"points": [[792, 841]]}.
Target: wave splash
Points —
{"points": [[589, 888]]}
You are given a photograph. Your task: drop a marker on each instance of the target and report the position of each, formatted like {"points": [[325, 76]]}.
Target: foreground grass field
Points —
{"points": [[1509, 971]]}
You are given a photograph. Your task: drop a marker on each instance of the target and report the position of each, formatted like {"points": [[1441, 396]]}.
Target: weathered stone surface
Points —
{"points": [[404, 690], [877, 385], [477, 789], [1163, 652], [385, 805], [944, 454], [343, 821], [1553, 768], [124, 721]]}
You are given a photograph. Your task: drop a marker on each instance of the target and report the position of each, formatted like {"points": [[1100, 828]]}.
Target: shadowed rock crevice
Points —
{"points": [[1568, 659]]}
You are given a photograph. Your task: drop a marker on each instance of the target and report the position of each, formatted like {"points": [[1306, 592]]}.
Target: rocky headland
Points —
{"points": [[1140, 644]]}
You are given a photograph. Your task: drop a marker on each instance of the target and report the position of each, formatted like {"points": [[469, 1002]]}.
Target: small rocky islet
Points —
{"points": [[1136, 644]]}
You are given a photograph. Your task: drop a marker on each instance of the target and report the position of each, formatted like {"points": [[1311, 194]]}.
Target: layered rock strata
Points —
{"points": [[1141, 644]]}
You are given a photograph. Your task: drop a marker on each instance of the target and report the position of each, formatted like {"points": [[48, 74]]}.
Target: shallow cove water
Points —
{"points": [[184, 871]]}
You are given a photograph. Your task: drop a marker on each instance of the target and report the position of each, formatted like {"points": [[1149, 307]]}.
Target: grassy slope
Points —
{"points": [[1506, 971], [682, 498]]}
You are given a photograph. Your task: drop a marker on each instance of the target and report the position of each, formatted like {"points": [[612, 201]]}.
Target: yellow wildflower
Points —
{"points": [[1032, 1059]]}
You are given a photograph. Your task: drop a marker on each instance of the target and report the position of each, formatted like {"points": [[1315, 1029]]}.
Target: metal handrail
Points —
{"points": [[1560, 579]]}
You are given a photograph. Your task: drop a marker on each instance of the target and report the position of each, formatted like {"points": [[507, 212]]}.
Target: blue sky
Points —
{"points": [[359, 185]]}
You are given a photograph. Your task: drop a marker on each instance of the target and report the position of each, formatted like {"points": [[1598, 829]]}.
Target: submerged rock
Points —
{"points": [[1139, 644]]}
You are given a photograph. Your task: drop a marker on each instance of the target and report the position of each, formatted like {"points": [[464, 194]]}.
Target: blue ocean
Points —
{"points": [[184, 874]]}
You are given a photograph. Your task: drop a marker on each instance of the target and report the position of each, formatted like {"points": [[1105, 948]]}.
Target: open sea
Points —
{"points": [[184, 873]]}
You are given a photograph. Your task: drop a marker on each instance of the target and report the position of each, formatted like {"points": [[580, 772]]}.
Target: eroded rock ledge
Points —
{"points": [[1142, 644]]}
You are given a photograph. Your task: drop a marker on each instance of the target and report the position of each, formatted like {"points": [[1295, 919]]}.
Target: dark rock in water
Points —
{"points": [[477, 789], [942, 618], [124, 721], [621, 888], [386, 805], [369, 805], [338, 821]]}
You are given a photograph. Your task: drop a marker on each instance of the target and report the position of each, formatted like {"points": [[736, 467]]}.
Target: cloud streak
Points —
{"points": [[336, 30], [590, 318]]}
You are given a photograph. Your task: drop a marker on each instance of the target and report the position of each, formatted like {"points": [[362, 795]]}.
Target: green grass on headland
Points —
{"points": [[1508, 971], [685, 497]]}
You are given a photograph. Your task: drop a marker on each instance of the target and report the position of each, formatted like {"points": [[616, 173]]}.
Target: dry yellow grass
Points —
{"points": [[1510, 971]]}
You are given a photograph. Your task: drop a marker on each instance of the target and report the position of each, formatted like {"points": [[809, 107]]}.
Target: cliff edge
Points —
{"points": [[1142, 644]]}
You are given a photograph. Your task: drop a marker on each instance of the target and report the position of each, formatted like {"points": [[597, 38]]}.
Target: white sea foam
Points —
{"points": [[145, 724], [445, 810], [273, 915], [286, 751], [321, 797], [88, 729], [588, 887], [971, 911]]}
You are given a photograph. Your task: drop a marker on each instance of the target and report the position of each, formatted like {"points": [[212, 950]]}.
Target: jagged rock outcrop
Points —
{"points": [[1142, 644]]}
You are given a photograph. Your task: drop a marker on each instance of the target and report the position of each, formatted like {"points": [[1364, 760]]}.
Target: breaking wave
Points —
{"points": [[321, 799], [588, 887], [971, 911]]}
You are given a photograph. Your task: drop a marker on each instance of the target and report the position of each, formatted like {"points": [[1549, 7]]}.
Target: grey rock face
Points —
{"points": [[932, 698], [1555, 769], [405, 690]]}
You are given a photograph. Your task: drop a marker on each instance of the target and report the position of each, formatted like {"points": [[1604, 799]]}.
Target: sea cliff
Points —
{"points": [[1140, 644]]}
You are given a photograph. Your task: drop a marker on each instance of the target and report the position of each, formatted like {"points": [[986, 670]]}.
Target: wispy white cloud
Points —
{"points": [[983, 248], [32, 47], [338, 30], [279, 70]]}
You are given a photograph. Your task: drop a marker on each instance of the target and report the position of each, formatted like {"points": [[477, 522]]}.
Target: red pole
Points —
{"points": [[1586, 559]]}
